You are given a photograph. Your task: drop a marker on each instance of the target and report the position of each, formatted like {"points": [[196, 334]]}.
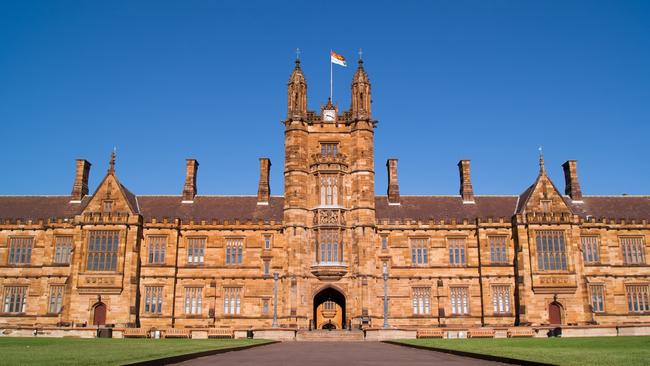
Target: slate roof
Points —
{"points": [[246, 207]]}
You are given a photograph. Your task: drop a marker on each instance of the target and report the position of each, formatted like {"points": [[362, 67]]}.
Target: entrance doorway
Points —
{"points": [[555, 313], [99, 314], [329, 309]]}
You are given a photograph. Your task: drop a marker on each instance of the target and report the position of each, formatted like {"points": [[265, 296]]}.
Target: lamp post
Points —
{"points": [[275, 300], [385, 298]]}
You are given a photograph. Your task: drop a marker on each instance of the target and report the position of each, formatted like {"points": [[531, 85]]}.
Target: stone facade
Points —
{"points": [[209, 261]]}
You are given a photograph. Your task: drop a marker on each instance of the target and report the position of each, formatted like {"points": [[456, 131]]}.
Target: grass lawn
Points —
{"points": [[559, 351], [75, 351]]}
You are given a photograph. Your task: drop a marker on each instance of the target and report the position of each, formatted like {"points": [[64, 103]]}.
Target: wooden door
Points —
{"points": [[99, 316], [554, 313]]}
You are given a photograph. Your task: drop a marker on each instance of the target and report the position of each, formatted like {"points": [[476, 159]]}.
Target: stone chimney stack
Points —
{"points": [[393, 185], [80, 186], [189, 189], [572, 186], [264, 189], [466, 190]]}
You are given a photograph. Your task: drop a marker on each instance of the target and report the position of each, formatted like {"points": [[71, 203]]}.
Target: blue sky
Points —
{"points": [[488, 81]]}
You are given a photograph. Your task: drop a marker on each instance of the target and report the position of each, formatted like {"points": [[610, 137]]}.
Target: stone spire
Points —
{"points": [[360, 92], [297, 93]]}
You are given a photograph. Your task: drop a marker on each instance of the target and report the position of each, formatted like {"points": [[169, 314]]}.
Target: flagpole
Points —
{"points": [[331, 83]]}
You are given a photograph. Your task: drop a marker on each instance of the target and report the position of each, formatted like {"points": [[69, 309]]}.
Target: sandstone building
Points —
{"points": [[113, 257]]}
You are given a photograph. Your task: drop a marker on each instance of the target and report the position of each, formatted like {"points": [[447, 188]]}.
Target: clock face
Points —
{"points": [[329, 115]]}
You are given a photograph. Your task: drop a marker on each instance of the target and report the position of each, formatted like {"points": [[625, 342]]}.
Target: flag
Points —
{"points": [[335, 58]]}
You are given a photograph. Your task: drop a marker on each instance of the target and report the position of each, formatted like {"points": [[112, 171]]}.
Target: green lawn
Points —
{"points": [[559, 351], [75, 351]]}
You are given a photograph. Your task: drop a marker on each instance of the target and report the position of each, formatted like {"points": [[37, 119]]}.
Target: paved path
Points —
{"points": [[335, 354]]}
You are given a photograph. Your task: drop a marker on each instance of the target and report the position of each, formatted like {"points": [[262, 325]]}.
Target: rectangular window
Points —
{"points": [[329, 149], [267, 268], [551, 250], [193, 300], [632, 247], [231, 300], [384, 242], [597, 298], [329, 246], [456, 251], [637, 298], [234, 251], [590, 249], [459, 300], [20, 250], [498, 246], [15, 299], [56, 299], [62, 249], [501, 299], [153, 299], [157, 247], [419, 252], [107, 206], [195, 250], [265, 306], [267, 242], [102, 250], [329, 191], [421, 297]]}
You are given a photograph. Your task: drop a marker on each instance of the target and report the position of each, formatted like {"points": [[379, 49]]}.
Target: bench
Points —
{"points": [[430, 333], [135, 333], [177, 333], [521, 332], [220, 333], [480, 333]]}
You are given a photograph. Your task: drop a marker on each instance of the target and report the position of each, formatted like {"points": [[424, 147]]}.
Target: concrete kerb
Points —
{"points": [[479, 356], [189, 356]]}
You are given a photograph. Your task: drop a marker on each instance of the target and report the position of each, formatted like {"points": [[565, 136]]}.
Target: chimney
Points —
{"points": [[466, 190], [189, 189], [572, 186], [393, 186], [264, 189], [80, 186]]}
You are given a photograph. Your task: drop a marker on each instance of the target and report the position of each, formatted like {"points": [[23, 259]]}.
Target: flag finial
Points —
{"points": [[297, 54], [360, 54], [542, 169]]}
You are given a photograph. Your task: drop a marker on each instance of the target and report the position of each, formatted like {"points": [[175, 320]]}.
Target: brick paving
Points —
{"points": [[335, 354]]}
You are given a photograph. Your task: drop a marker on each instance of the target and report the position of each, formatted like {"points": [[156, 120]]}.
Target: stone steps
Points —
{"points": [[329, 336]]}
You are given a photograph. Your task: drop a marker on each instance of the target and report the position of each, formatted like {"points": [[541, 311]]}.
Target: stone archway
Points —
{"points": [[329, 309], [555, 313], [99, 314]]}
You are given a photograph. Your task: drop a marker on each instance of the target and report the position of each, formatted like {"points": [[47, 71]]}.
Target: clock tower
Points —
{"points": [[329, 204]]}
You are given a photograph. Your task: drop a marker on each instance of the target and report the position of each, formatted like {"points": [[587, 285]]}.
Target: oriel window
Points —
{"points": [[329, 246], [329, 190]]}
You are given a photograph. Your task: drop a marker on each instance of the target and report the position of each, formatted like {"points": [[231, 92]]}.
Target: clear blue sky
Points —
{"points": [[488, 81]]}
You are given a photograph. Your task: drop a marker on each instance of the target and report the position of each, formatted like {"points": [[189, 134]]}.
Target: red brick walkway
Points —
{"points": [[335, 354]]}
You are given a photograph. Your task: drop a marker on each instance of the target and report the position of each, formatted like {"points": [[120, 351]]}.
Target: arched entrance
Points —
{"points": [[555, 313], [99, 314], [329, 309]]}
